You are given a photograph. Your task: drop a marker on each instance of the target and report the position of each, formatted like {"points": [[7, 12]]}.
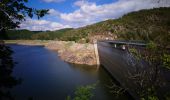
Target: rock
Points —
{"points": [[74, 52]]}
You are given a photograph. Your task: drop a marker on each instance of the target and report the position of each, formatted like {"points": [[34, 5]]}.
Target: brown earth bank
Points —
{"points": [[68, 51], [74, 52]]}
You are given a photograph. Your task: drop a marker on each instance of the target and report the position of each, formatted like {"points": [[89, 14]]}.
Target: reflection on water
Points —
{"points": [[46, 77]]}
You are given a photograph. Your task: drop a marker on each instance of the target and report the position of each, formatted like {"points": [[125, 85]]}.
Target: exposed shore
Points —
{"points": [[68, 51]]}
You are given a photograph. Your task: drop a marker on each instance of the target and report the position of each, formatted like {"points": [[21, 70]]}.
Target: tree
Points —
{"points": [[12, 12], [83, 93], [147, 66]]}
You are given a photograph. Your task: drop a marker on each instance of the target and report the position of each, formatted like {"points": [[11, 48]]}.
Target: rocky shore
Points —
{"points": [[74, 52], [68, 51]]}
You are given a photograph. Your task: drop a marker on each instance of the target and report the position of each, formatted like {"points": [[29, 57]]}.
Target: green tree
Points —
{"points": [[12, 12], [147, 65], [83, 93]]}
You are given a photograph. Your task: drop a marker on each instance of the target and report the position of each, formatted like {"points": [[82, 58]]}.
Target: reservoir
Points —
{"points": [[46, 77]]}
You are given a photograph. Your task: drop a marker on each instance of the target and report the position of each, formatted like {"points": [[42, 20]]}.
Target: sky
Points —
{"points": [[79, 13]]}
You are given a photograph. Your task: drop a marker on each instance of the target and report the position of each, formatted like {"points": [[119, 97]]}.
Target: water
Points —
{"points": [[46, 77]]}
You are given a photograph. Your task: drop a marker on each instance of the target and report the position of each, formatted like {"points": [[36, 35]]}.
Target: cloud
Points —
{"points": [[81, 3], [49, 1], [54, 12], [43, 25], [90, 12]]}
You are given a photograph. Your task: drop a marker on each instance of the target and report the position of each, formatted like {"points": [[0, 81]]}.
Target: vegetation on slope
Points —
{"points": [[152, 24], [34, 35], [50, 35], [19, 34], [145, 25]]}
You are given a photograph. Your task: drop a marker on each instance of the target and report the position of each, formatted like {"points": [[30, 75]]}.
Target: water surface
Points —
{"points": [[46, 77]]}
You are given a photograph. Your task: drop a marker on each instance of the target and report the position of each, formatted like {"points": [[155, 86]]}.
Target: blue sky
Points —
{"points": [[79, 13], [62, 5]]}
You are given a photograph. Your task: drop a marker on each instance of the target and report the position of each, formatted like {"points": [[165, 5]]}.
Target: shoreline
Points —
{"points": [[68, 51]]}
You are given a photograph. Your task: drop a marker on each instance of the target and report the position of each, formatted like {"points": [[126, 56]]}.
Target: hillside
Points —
{"points": [[152, 24], [51, 35], [19, 34], [34, 35]]}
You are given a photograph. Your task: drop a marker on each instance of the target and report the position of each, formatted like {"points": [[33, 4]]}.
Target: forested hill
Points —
{"points": [[34, 35], [152, 24]]}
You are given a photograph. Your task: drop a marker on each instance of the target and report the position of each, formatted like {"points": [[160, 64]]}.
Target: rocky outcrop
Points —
{"points": [[74, 52]]}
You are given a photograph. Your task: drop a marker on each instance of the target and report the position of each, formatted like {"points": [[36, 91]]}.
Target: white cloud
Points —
{"points": [[49, 1], [89, 12], [54, 12], [81, 3], [37, 25]]}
